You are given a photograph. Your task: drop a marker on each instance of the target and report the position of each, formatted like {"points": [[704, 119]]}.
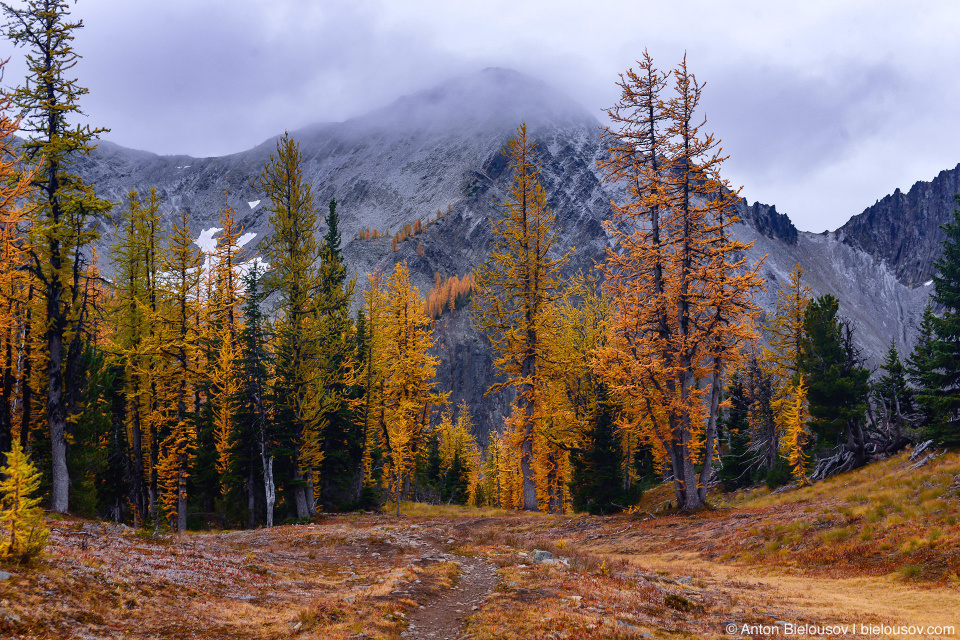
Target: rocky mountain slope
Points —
{"points": [[436, 156], [903, 229]]}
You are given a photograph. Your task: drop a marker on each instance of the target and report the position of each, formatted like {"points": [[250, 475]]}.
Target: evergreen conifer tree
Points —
{"points": [[734, 434], [921, 371], [342, 437], [597, 478], [945, 373], [894, 397], [254, 422], [59, 236], [837, 381]]}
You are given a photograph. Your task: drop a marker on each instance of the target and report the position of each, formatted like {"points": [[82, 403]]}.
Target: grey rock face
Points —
{"points": [[441, 150], [765, 219], [540, 556], [903, 229]]}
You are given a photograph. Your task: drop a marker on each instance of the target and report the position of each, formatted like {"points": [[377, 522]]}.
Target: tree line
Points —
{"points": [[191, 387]]}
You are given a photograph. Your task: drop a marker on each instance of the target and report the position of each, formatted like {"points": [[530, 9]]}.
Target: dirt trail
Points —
{"points": [[442, 618]]}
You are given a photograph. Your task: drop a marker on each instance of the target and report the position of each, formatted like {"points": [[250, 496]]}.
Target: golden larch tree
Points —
{"points": [[177, 344], [795, 434], [408, 367], [22, 532], [780, 360], [224, 320], [680, 288], [14, 280], [512, 294]]}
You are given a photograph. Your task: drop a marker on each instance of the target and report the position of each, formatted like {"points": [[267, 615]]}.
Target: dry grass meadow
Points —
{"points": [[878, 546]]}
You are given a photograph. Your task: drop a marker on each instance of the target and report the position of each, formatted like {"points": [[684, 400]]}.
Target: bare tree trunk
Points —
{"points": [[691, 495], [26, 392], [6, 390], [251, 501], [182, 495], [270, 490], [711, 437], [397, 487], [300, 497], [137, 454], [529, 483], [310, 494], [675, 451], [60, 491], [526, 449]]}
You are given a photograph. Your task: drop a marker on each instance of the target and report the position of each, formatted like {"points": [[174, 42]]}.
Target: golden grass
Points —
{"points": [[424, 510], [867, 599], [878, 519], [878, 545]]}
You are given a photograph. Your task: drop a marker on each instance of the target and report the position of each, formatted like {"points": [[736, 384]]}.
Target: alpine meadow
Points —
{"points": [[475, 364]]}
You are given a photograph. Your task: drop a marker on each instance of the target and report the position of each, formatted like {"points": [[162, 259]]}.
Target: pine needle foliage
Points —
{"points": [[835, 377], [22, 532], [408, 368], [945, 402], [681, 290], [512, 295], [921, 370], [59, 233]]}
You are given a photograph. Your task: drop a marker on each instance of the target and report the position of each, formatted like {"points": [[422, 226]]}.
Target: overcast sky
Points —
{"points": [[824, 107]]}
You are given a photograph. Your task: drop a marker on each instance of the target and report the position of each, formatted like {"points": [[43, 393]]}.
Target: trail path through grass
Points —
{"points": [[879, 545], [442, 618]]}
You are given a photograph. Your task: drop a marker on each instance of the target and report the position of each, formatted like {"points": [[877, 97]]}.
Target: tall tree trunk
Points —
{"points": [[691, 495], [182, 495], [26, 392], [526, 468], [300, 498], [706, 472], [60, 491], [311, 495], [251, 498], [6, 388], [269, 489], [526, 397], [137, 456], [152, 484]]}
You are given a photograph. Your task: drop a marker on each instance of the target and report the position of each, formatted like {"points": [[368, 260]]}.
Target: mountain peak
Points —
{"points": [[494, 98]]}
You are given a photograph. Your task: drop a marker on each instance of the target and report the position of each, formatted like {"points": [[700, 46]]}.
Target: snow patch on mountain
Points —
{"points": [[206, 241]]}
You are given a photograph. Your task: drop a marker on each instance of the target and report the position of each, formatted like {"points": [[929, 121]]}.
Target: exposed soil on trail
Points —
{"points": [[442, 618]]}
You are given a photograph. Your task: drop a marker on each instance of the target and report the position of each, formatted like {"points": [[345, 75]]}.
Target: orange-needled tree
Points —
{"points": [[14, 332], [680, 286], [408, 367], [513, 292], [60, 236], [781, 359]]}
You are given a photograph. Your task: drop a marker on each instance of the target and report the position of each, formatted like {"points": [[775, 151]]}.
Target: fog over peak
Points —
{"points": [[493, 99]]}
